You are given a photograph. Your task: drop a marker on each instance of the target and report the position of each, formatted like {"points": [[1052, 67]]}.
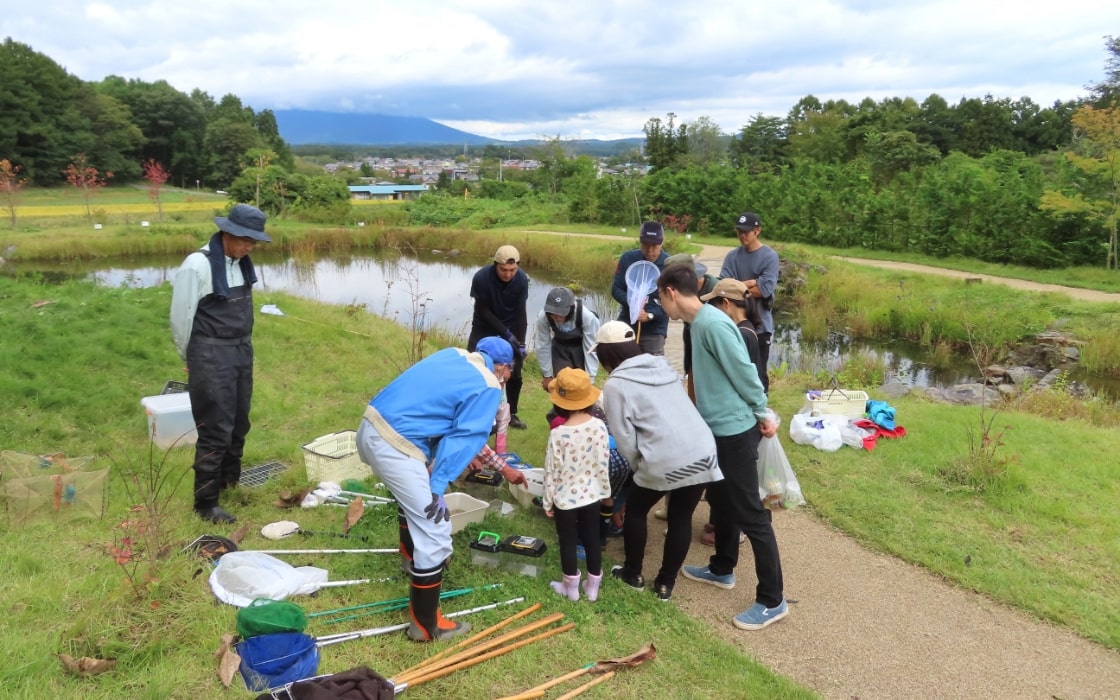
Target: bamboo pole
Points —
{"points": [[467, 642], [585, 686], [527, 695], [446, 670], [467, 653], [561, 679]]}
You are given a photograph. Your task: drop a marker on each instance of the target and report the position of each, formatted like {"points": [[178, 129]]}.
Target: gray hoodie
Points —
{"points": [[656, 427]]}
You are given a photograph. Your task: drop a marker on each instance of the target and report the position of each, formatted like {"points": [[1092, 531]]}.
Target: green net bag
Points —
{"points": [[264, 616]]}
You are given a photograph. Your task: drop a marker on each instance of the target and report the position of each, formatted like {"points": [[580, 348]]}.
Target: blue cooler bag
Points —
{"points": [[274, 660]]}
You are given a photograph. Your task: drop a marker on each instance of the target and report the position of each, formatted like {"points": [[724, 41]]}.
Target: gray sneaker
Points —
{"points": [[703, 574]]}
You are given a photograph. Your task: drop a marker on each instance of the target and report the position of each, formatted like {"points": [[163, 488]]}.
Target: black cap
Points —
{"points": [[748, 221]]}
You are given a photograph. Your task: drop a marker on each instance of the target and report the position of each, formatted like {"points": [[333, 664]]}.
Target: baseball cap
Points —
{"points": [[614, 332], [507, 254], [572, 389], [652, 233], [748, 221], [497, 348], [559, 301], [727, 288], [687, 259]]}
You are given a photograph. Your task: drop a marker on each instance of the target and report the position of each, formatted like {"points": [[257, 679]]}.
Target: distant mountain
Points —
{"points": [[300, 127]]}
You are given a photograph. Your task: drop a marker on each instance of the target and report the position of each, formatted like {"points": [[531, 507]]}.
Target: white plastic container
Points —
{"points": [[533, 486], [170, 422], [465, 509]]}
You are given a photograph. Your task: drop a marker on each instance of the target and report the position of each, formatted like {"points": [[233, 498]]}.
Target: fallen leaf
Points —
{"points": [[239, 534], [86, 666], [354, 513], [228, 660], [41, 303], [646, 653]]}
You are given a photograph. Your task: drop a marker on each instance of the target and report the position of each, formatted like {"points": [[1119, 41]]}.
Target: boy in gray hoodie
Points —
{"points": [[667, 443]]}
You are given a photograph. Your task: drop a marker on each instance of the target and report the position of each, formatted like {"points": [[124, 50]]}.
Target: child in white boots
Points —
{"points": [[576, 478]]}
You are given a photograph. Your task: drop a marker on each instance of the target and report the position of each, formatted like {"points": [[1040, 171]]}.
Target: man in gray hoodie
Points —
{"points": [[669, 447]]}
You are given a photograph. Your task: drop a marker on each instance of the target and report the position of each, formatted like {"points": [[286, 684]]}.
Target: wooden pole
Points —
{"points": [[446, 670], [467, 653], [585, 686], [467, 642], [561, 679]]}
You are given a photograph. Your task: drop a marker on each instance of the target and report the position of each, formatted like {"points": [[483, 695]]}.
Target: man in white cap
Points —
{"points": [[212, 326], [500, 292], [565, 334]]}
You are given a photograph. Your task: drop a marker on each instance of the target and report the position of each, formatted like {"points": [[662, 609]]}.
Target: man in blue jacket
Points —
{"points": [[418, 434], [652, 324]]}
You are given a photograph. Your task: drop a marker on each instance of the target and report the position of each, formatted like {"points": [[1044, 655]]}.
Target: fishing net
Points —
{"points": [[641, 281], [264, 616], [50, 488]]}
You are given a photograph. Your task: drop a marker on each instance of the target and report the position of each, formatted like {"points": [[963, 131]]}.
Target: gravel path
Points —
{"points": [[867, 625]]}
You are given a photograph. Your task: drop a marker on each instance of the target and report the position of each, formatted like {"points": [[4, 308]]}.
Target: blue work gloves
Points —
{"points": [[437, 510], [521, 350]]}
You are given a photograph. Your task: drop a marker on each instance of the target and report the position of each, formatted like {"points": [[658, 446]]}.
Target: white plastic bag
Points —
{"points": [[806, 429], [241, 577], [777, 485]]}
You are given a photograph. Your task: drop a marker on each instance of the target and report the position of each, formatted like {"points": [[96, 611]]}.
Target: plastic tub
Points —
{"points": [[170, 422]]}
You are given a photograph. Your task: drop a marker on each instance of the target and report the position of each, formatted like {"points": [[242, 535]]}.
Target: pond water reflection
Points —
{"points": [[436, 287]]}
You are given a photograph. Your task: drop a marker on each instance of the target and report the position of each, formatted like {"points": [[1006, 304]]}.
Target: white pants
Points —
{"points": [[408, 479]]}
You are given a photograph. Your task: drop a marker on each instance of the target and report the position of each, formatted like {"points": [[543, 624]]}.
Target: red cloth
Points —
{"points": [[878, 432]]}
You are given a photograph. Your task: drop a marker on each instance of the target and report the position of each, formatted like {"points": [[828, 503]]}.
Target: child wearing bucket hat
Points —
{"points": [[576, 479]]}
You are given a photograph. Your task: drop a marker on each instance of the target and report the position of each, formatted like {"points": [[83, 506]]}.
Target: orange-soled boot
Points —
{"points": [[428, 624]]}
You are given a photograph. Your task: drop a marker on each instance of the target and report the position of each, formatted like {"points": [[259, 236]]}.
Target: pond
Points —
{"points": [[435, 288]]}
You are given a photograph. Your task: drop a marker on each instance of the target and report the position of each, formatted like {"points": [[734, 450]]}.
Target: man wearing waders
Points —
{"points": [[212, 326], [418, 434], [566, 332]]}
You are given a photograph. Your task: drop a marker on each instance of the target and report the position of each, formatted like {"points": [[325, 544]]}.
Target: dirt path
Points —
{"points": [[867, 625]]}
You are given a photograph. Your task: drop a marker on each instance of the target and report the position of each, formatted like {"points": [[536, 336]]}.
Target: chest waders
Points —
{"points": [[220, 360]]}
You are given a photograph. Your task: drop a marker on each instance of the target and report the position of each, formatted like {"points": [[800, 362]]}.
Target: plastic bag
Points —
{"points": [[777, 485], [806, 429]]}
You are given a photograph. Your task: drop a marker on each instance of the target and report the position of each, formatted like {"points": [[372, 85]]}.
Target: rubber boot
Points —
{"points": [[591, 587], [568, 587], [428, 623], [406, 542]]}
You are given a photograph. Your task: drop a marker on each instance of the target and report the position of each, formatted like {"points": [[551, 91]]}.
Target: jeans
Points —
{"points": [[736, 506]]}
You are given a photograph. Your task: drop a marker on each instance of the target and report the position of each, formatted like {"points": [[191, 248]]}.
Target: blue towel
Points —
{"points": [[881, 413]]}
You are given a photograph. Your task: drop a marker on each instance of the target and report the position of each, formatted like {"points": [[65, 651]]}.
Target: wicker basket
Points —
{"points": [[334, 457]]}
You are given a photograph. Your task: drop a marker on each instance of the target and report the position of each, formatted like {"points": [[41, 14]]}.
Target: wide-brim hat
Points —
{"points": [[572, 389], [244, 221]]}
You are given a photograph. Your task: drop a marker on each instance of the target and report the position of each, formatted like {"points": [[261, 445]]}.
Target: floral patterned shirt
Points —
{"points": [[576, 465]]}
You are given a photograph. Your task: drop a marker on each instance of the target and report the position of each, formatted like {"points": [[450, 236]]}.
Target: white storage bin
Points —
{"points": [[170, 422]]}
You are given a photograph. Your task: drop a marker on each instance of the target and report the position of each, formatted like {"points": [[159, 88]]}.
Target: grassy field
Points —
{"points": [[1039, 530]]}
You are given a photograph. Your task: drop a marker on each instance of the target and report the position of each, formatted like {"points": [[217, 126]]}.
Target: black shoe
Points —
{"points": [[216, 515], [515, 422], [618, 571], [663, 592]]}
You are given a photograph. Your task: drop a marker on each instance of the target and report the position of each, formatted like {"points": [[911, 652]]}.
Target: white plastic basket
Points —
{"points": [[334, 457], [841, 402]]}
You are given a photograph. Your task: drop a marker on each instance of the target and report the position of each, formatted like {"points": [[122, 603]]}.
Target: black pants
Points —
{"points": [[221, 389], [681, 504], [736, 506], [764, 359], [573, 527]]}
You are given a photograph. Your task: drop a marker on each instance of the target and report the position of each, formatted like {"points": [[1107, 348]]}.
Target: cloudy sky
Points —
{"points": [[513, 69]]}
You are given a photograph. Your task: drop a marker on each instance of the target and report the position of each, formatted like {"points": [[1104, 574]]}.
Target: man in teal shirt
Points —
{"points": [[730, 397]]}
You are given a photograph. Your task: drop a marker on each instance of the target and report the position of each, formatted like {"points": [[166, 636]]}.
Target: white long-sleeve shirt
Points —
{"points": [[191, 283]]}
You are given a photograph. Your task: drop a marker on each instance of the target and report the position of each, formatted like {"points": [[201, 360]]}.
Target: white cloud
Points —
{"points": [[584, 68]]}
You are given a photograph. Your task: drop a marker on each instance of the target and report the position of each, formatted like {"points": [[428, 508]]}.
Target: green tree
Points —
{"points": [[224, 147], [665, 143], [707, 144], [40, 120], [114, 140], [762, 141], [1096, 158], [1107, 92]]}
